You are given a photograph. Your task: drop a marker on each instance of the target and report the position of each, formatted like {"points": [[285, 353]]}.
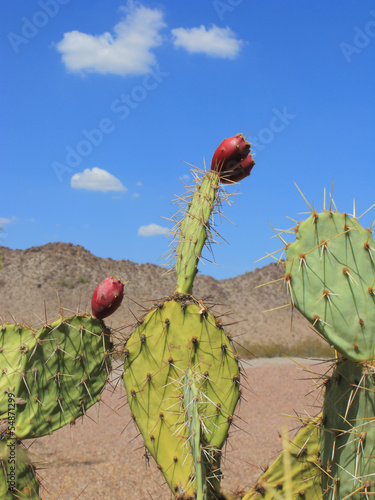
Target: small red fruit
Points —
{"points": [[232, 159], [107, 297]]}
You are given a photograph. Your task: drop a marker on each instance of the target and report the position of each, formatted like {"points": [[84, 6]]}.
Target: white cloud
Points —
{"points": [[125, 52], [152, 230], [214, 42], [96, 179], [7, 220]]}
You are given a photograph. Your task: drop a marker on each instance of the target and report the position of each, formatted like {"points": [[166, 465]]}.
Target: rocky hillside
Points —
{"points": [[35, 282]]}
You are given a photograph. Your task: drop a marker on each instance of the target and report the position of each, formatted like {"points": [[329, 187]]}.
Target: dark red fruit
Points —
{"points": [[232, 159], [107, 297]]}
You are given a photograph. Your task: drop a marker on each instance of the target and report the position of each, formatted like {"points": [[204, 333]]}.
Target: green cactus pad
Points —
{"points": [[17, 474], [304, 466], [15, 342], [330, 274], [195, 230], [54, 374], [348, 432], [180, 349]]}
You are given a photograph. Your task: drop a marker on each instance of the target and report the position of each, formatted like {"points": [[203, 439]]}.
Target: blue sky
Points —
{"points": [[104, 102]]}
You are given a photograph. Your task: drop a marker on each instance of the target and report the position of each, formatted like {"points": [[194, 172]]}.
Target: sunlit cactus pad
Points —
{"points": [[195, 229], [55, 374], [303, 457], [348, 432], [17, 475], [178, 357], [330, 274]]}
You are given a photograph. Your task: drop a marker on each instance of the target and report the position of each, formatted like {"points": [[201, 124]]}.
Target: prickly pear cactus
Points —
{"points": [[54, 374], [182, 380], [181, 373], [330, 275]]}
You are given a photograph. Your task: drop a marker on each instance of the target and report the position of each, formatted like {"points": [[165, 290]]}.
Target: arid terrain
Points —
{"points": [[35, 282], [102, 456]]}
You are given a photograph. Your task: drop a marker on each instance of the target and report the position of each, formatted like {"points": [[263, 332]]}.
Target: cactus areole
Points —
{"points": [[107, 297], [232, 159]]}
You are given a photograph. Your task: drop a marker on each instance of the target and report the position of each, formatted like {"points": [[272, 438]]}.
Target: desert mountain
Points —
{"points": [[36, 280]]}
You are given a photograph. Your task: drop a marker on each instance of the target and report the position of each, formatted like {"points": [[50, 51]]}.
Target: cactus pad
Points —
{"points": [[182, 379], [55, 373], [194, 230], [330, 274]]}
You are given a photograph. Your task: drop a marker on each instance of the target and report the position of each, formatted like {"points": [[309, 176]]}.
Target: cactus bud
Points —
{"points": [[107, 297], [232, 159]]}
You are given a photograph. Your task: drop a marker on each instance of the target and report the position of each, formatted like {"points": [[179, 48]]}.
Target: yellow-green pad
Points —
{"points": [[303, 455], [194, 231], [15, 342], [17, 474], [330, 273], [174, 339], [50, 377]]}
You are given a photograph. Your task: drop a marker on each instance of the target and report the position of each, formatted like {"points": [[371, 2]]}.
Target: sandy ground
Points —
{"points": [[102, 457]]}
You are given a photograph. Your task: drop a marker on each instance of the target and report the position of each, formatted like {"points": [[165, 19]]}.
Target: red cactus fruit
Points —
{"points": [[107, 297], [232, 159]]}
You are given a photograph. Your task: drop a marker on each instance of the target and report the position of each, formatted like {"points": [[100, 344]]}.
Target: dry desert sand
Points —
{"points": [[102, 456]]}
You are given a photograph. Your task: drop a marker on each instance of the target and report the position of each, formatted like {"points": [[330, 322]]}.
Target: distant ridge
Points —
{"points": [[29, 280]]}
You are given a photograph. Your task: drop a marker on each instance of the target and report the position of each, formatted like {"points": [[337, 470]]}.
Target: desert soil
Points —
{"points": [[102, 456]]}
